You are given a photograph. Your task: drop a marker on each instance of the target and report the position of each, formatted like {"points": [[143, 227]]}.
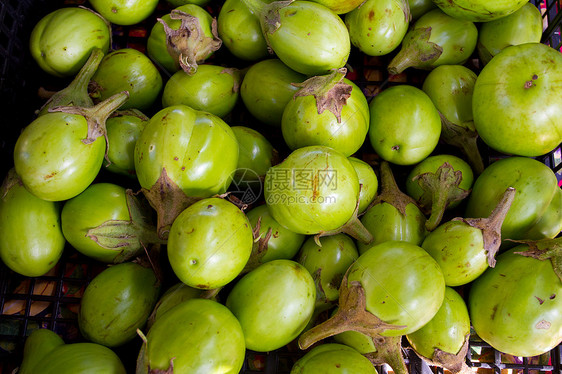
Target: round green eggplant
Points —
{"points": [[403, 285], [195, 336], [123, 131], [62, 41], [327, 264], [308, 120], [333, 359], [435, 39], [446, 331], [209, 243], [536, 187], [450, 88], [116, 303], [459, 250], [190, 48], [431, 165], [408, 135], [256, 152], [479, 10], [439, 183], [385, 223], [85, 218], [198, 150], [516, 106], [213, 89], [377, 27], [80, 358], [308, 37], [314, 189], [53, 161], [31, 239], [128, 70], [240, 31], [515, 306], [522, 26], [273, 303], [267, 88]]}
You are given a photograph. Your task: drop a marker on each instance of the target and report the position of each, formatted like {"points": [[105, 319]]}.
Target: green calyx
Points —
{"points": [[440, 189], [129, 237], [330, 91]]}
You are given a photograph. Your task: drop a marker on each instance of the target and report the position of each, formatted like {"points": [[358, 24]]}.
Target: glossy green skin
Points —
{"points": [[213, 89], [273, 303], [256, 152], [240, 31], [37, 346], [303, 126], [116, 303], [511, 118], [311, 38], [324, 201], [124, 12], [266, 90], [201, 336], [450, 88], [80, 358], [377, 27], [535, 185], [505, 307], [446, 331], [332, 259], [173, 296], [459, 250], [358, 341], [522, 26], [403, 285], [333, 359], [156, 47], [340, 6], [209, 243], [62, 41], [408, 135], [283, 243], [386, 223], [129, 70], [122, 135], [52, 160], [368, 180], [430, 165], [479, 10], [99, 203], [198, 150], [457, 38], [419, 7], [31, 240], [550, 223]]}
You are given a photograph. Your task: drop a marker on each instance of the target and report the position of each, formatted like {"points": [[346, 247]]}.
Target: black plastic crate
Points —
{"points": [[51, 301]]}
